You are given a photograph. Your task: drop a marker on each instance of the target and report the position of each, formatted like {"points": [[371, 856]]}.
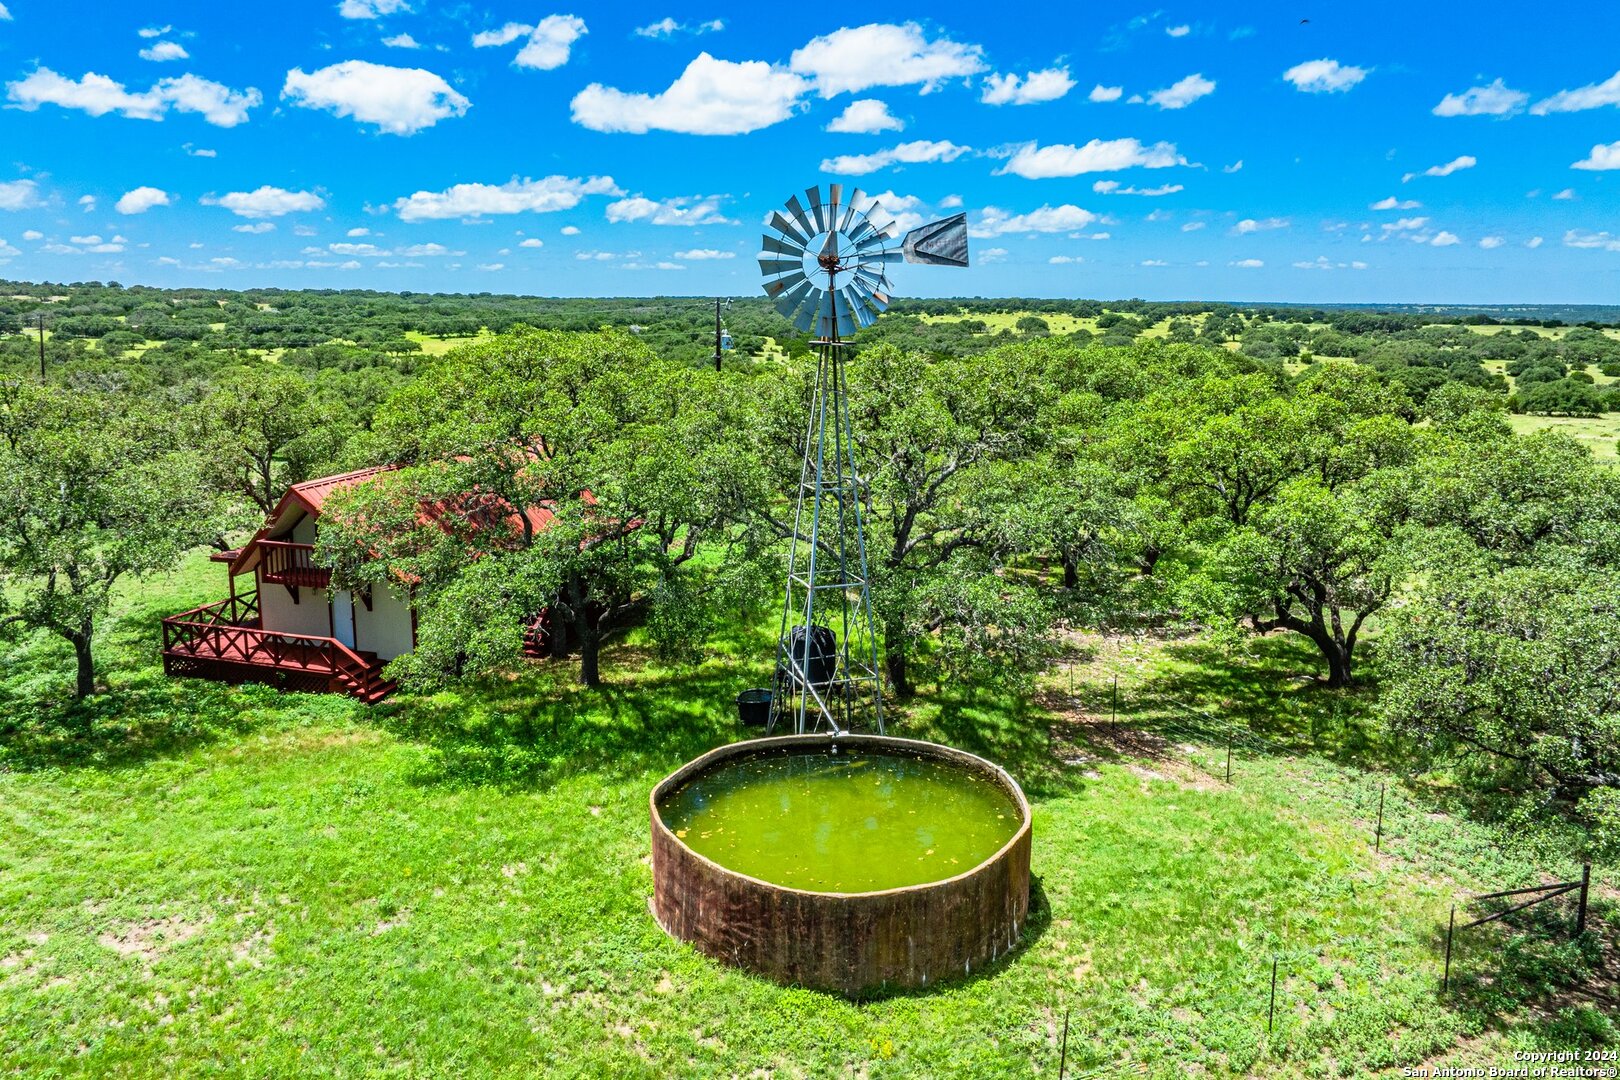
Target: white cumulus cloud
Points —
{"points": [[1179, 95], [371, 9], [883, 54], [1113, 187], [1065, 260], [1497, 99], [258, 228], [993, 221], [693, 210], [1489, 242], [1392, 203], [532, 242], [1454, 165], [911, 153], [1602, 158], [868, 116], [165, 50], [1585, 238], [1036, 86], [1444, 239], [1592, 96], [1105, 93], [266, 201], [19, 195], [1034, 162], [401, 41], [140, 200], [400, 101], [1178, 31], [551, 40], [513, 197], [1324, 76], [99, 95], [1247, 264], [711, 97], [701, 254], [1251, 225]]}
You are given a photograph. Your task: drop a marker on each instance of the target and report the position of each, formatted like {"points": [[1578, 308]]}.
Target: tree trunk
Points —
{"points": [[86, 682], [588, 634], [1071, 571], [590, 671], [894, 658]]}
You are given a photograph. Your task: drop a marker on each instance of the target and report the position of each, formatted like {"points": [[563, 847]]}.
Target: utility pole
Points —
{"points": [[717, 333], [39, 317]]}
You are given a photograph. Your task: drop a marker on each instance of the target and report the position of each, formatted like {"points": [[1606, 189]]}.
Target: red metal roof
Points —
{"points": [[481, 513], [313, 493]]}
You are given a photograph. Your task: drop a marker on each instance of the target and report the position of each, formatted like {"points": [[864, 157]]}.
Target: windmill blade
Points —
{"points": [[885, 256], [809, 306], [939, 243], [871, 291], [835, 209], [795, 208], [856, 305], [852, 210], [786, 228], [813, 193], [774, 288], [781, 247], [789, 301], [846, 322], [780, 266]]}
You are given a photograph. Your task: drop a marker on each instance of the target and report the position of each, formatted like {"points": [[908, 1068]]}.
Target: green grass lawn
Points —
{"points": [[1600, 434], [245, 882]]}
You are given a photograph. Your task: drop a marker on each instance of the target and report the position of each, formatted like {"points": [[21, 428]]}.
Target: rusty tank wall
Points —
{"points": [[848, 943]]}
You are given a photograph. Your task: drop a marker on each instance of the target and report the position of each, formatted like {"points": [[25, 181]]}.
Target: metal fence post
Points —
{"points": [[1228, 757], [1271, 1012], [1113, 708], [1445, 980], [1378, 837], [1580, 910], [1063, 1057]]}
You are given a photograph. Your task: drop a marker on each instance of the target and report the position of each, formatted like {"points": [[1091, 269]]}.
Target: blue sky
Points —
{"points": [[1378, 152]]}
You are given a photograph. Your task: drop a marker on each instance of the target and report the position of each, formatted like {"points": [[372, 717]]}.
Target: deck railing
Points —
{"points": [[286, 563], [229, 632]]}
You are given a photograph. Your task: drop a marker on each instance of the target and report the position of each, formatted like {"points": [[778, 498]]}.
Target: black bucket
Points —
{"points": [[754, 707]]}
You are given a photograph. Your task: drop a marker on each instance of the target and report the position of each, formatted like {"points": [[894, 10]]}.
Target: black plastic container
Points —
{"points": [[754, 707]]}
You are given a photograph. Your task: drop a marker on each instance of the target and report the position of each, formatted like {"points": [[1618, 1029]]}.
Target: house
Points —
{"points": [[284, 624]]}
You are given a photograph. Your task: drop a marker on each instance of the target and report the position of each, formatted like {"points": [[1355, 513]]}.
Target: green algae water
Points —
{"points": [[844, 822]]}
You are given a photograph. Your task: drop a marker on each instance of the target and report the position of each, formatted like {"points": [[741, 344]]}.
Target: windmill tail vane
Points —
{"points": [[825, 264]]}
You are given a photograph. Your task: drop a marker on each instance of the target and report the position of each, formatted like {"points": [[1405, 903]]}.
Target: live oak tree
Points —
{"points": [[925, 428], [1303, 507], [1514, 672], [570, 472], [94, 489], [263, 430]]}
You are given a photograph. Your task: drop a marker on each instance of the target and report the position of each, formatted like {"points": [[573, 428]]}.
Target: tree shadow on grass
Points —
{"points": [[1000, 725], [146, 715], [1531, 974], [540, 726], [1268, 695]]}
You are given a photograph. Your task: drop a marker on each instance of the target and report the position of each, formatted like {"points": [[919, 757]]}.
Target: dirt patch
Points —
{"points": [[151, 938]]}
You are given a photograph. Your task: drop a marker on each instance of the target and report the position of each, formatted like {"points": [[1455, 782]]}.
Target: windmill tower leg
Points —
{"points": [[828, 586]]}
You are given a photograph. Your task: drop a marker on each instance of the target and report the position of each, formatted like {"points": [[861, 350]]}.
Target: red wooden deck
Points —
{"points": [[225, 642]]}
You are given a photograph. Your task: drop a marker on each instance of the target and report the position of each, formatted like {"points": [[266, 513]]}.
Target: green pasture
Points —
{"points": [[200, 880]]}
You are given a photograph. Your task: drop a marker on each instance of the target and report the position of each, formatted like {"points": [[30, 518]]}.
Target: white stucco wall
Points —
{"points": [[386, 628], [311, 616]]}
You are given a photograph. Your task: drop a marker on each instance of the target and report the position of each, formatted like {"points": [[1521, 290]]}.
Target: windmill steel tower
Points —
{"points": [[825, 267]]}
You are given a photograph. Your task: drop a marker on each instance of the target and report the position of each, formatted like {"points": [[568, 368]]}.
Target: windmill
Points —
{"points": [[825, 266]]}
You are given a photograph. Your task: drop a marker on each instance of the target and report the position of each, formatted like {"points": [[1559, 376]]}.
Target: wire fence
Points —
{"points": [[1219, 746]]}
